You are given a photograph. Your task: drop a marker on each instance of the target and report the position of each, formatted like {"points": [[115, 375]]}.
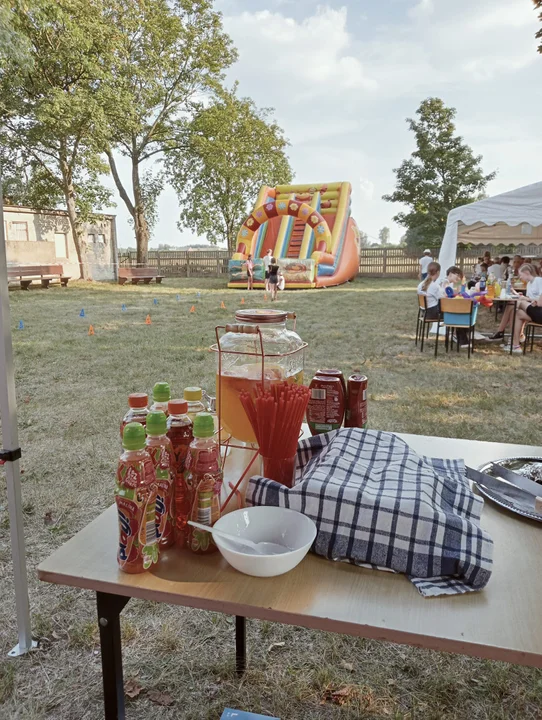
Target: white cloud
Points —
{"points": [[422, 9], [366, 189]]}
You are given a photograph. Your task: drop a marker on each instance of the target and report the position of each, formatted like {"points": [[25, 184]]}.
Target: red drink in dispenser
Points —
{"points": [[135, 496]]}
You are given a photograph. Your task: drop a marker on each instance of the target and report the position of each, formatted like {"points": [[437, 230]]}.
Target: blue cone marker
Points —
{"points": [[155, 301], [21, 325], [82, 313], [178, 298], [123, 308], [198, 295]]}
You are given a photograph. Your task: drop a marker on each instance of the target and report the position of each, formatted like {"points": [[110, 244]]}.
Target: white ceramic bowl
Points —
{"points": [[266, 524]]}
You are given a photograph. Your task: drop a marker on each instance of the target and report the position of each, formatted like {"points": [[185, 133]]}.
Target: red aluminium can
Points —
{"points": [[325, 411], [356, 405]]}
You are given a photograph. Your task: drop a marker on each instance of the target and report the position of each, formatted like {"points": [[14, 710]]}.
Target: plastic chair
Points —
{"points": [[422, 322], [458, 313], [530, 332]]}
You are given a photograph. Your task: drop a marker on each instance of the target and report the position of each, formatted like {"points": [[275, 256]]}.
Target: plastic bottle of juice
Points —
{"points": [[161, 395], [194, 398], [159, 448], [135, 496], [180, 433], [137, 410], [203, 477]]}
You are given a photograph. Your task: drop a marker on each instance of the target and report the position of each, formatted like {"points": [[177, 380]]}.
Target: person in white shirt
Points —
{"points": [[266, 263], [431, 288], [424, 264], [528, 310], [495, 269]]}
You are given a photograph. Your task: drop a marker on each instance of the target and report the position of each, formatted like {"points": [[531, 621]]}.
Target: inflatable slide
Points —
{"points": [[310, 232]]}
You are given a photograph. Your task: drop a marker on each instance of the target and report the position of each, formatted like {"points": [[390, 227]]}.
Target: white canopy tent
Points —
{"points": [[512, 218]]}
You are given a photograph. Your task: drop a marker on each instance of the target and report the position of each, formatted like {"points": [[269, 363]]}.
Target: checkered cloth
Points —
{"points": [[376, 502]]}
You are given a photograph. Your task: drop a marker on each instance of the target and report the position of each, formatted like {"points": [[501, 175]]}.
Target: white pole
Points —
{"points": [[10, 441]]}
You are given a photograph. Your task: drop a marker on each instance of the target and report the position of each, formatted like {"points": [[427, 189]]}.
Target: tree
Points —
{"points": [[51, 112], [232, 149], [384, 236], [441, 174], [363, 239], [169, 52], [538, 6]]}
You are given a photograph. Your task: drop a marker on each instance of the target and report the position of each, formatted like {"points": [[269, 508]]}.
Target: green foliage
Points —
{"points": [[384, 236], [441, 174], [168, 54], [231, 149], [51, 107], [538, 6], [363, 239], [13, 44]]}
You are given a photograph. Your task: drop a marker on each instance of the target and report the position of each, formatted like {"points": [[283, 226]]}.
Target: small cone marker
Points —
{"points": [[82, 313], [21, 325], [91, 330], [155, 301], [148, 320], [198, 294], [178, 298], [193, 308], [242, 301], [123, 308], [222, 306]]}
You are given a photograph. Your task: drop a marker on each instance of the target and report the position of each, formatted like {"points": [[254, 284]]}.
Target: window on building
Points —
{"points": [[18, 231], [100, 239], [90, 238]]}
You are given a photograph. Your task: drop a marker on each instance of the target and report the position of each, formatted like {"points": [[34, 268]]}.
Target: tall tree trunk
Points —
{"points": [[75, 224], [142, 232]]}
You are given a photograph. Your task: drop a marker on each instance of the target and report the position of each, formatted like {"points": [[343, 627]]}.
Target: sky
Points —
{"points": [[343, 76]]}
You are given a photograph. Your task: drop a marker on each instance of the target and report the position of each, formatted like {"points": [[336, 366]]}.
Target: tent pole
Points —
{"points": [[10, 441]]}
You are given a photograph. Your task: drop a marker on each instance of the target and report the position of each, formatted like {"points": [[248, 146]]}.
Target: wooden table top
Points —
{"points": [[500, 623]]}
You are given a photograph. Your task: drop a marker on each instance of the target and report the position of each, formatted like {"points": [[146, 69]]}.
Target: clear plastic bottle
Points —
{"points": [[135, 496], [137, 410], [180, 434], [159, 448], [194, 398], [509, 284], [161, 395], [203, 477]]}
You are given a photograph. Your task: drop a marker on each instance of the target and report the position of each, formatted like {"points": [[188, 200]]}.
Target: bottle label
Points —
{"points": [[138, 547], [165, 522], [325, 410], [180, 437], [205, 509]]}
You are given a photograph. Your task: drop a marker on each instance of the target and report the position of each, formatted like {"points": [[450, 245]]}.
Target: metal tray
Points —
{"points": [[514, 505]]}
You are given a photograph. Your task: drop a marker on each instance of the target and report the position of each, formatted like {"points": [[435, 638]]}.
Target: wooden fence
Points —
{"points": [[373, 262]]}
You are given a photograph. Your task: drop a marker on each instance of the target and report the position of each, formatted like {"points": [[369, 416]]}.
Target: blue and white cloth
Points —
{"points": [[377, 503]]}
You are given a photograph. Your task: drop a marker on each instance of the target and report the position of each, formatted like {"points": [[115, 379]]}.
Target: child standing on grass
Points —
{"points": [[273, 278], [250, 272], [281, 281]]}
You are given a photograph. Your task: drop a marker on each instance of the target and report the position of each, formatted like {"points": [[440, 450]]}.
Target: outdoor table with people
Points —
{"points": [[504, 289]]}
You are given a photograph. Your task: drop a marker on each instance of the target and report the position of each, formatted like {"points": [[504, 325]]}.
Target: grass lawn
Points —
{"points": [[72, 392]]}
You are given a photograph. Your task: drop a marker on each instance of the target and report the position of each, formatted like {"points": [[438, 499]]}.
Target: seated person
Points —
{"points": [[453, 277], [528, 309], [495, 269], [505, 267], [430, 287]]}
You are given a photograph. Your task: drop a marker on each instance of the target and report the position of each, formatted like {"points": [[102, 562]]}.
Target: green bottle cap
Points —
{"points": [[204, 425], [156, 423], [161, 392], [133, 436]]}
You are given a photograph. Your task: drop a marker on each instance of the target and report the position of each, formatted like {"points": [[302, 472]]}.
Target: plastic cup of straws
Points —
{"points": [[281, 470]]}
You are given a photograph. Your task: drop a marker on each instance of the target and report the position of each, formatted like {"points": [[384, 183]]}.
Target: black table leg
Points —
{"points": [[109, 609], [240, 644]]}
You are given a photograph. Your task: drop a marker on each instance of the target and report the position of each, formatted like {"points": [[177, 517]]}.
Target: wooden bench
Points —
{"points": [[25, 274], [135, 274]]}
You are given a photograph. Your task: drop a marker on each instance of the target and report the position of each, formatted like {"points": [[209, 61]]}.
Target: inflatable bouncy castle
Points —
{"points": [[310, 232]]}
